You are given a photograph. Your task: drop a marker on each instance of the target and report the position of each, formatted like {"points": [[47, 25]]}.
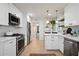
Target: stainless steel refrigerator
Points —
{"points": [[28, 32]]}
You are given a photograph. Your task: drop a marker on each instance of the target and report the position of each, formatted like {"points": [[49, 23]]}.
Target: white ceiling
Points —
{"points": [[39, 9]]}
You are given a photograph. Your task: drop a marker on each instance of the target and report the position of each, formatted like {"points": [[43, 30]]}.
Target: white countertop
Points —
{"points": [[51, 34], [6, 38], [71, 38], [67, 36]]}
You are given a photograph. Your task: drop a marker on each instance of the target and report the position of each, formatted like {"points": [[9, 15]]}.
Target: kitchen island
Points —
{"points": [[62, 42]]}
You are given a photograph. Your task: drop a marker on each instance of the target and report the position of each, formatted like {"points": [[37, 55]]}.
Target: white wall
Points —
{"points": [[41, 30], [4, 29]]}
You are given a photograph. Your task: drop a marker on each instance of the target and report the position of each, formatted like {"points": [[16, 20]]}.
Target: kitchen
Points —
{"points": [[50, 25]]}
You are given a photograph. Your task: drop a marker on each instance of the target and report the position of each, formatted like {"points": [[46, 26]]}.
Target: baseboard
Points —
{"points": [[52, 49], [61, 52]]}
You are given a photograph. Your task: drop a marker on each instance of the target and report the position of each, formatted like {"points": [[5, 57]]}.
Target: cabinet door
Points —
{"points": [[71, 15], [61, 43], [21, 19], [51, 42], [3, 14], [11, 8], [48, 42], [10, 48], [54, 40]]}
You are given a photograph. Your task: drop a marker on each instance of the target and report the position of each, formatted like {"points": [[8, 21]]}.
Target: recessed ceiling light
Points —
{"points": [[47, 21], [49, 14]]}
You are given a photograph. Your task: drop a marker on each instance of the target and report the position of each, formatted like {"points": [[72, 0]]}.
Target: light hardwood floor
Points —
{"points": [[37, 46]]}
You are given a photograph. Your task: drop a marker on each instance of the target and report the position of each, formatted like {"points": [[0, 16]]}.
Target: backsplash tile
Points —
{"points": [[4, 29]]}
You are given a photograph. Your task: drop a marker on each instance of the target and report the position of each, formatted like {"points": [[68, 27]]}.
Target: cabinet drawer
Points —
{"points": [[54, 37], [47, 37], [10, 42], [51, 44]]}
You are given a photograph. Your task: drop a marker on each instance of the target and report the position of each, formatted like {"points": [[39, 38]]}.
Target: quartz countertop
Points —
{"points": [[71, 37], [66, 36], [50, 34], [6, 38]]}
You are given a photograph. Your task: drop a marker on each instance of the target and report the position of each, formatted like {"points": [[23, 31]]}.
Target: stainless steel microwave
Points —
{"points": [[13, 20]]}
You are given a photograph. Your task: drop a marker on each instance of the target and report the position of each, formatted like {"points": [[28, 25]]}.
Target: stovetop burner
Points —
{"points": [[13, 35]]}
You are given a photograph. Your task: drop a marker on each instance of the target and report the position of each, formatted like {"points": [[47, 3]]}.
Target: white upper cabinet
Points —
{"points": [[3, 14], [11, 8], [71, 15]]}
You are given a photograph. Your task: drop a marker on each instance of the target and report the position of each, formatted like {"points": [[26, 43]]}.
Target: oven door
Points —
{"points": [[20, 45]]}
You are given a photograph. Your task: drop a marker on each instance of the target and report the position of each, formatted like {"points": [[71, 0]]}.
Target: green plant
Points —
{"points": [[53, 22]]}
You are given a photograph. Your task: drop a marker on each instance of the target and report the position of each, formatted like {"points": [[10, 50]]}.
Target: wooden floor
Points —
{"points": [[37, 46]]}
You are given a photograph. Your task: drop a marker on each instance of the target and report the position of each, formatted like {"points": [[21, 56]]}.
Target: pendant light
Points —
{"points": [[56, 16], [47, 17]]}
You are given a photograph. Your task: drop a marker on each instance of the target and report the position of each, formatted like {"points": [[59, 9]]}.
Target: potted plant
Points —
{"points": [[53, 22]]}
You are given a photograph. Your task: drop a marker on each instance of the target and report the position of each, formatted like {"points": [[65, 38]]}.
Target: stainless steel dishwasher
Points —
{"points": [[70, 47]]}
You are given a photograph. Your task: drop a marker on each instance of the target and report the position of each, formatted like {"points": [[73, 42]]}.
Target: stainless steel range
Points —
{"points": [[20, 42]]}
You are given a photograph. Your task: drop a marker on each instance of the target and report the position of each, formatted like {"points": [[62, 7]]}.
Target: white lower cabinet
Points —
{"points": [[54, 42], [51, 42], [8, 48], [61, 43]]}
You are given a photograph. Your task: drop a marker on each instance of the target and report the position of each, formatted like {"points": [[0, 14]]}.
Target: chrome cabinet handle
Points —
{"points": [[10, 42]]}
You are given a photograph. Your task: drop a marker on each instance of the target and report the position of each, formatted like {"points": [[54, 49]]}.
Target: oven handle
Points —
{"points": [[20, 38]]}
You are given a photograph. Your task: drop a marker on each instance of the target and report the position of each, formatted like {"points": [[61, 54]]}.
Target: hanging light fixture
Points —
{"points": [[56, 16], [47, 11]]}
